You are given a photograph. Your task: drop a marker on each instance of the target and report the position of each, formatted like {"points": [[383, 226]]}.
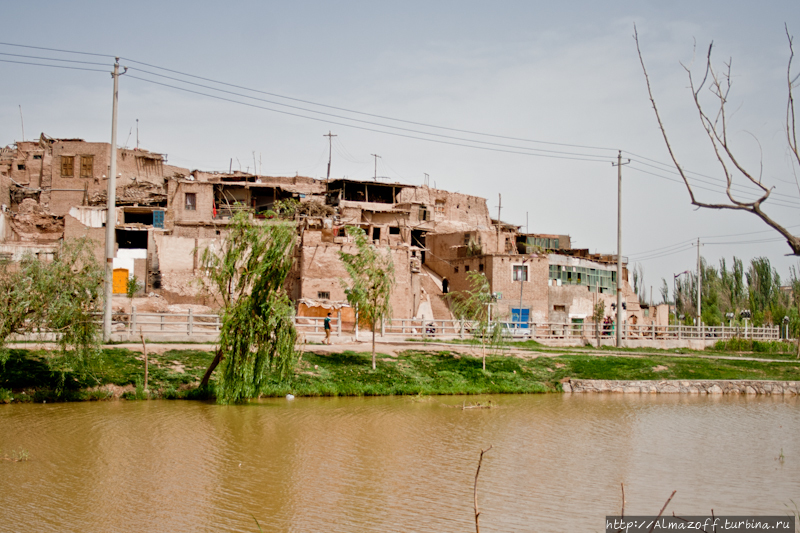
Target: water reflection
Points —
{"points": [[379, 464]]}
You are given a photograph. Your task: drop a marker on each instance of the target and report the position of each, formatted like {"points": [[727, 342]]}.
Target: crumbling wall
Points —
{"points": [[321, 271], [74, 229]]}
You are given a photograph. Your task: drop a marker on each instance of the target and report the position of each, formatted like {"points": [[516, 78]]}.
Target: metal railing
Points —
{"points": [[206, 327]]}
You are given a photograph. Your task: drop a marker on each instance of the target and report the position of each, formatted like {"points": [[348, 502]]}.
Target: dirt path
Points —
{"points": [[392, 349]]}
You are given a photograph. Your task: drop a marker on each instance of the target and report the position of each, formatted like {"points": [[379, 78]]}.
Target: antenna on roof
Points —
{"points": [[22, 122]]}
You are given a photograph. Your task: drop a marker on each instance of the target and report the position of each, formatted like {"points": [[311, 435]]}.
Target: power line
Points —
{"points": [[717, 182], [327, 121], [52, 66], [371, 123], [56, 59]]}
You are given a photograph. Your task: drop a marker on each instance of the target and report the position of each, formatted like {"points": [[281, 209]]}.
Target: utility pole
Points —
{"points": [[137, 134], [111, 204], [22, 121], [527, 229], [330, 137], [619, 246], [499, 206], [699, 289], [376, 156]]}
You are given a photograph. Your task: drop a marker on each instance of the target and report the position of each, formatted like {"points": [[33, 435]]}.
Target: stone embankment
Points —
{"points": [[673, 386]]}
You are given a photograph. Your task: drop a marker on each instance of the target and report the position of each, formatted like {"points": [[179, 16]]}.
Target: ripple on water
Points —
{"points": [[377, 464]]}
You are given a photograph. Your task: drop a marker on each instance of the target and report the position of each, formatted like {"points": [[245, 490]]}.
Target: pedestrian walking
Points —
{"points": [[328, 329]]}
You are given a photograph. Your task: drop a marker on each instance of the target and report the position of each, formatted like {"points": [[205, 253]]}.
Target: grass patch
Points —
{"points": [[175, 374]]}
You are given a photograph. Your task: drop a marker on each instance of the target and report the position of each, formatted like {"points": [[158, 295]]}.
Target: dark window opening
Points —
{"points": [[20, 167], [394, 231], [480, 267], [376, 234], [418, 240], [455, 270], [466, 268], [131, 239], [323, 295], [560, 308], [139, 218], [37, 156]]}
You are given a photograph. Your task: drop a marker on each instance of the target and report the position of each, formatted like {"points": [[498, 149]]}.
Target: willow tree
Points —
{"points": [[371, 281], [55, 297], [257, 336]]}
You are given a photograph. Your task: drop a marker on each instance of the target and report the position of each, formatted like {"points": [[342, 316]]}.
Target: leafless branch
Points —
{"points": [[475, 490], [662, 511], [716, 131]]}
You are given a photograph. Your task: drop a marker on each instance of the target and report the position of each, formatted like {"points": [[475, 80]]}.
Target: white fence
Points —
{"points": [[204, 327]]}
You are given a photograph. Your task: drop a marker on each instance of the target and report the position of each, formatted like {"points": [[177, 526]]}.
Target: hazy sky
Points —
{"points": [[564, 73]]}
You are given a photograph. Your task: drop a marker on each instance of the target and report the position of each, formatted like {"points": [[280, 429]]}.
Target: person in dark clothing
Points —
{"points": [[328, 329]]}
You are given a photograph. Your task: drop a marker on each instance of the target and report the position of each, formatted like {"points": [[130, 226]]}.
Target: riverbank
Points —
{"points": [[407, 369]]}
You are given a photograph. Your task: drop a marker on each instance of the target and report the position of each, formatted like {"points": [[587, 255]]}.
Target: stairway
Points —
{"points": [[432, 287]]}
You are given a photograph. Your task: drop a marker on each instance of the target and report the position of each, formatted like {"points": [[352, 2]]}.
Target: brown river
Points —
{"points": [[394, 464]]}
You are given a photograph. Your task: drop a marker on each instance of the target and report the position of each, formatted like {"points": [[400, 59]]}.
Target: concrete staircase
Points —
{"points": [[432, 292]]}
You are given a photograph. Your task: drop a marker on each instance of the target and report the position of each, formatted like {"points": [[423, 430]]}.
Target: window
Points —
{"points": [[440, 207], [323, 295], [20, 167], [423, 213], [455, 270], [158, 218], [480, 267], [191, 201], [37, 156], [394, 230], [520, 273], [67, 166], [466, 268], [87, 166], [376, 234], [560, 308]]}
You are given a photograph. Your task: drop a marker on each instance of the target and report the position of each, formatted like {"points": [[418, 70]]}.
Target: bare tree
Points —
{"points": [[715, 123]]}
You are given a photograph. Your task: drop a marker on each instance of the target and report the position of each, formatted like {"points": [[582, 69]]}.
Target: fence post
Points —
{"points": [[653, 330], [162, 321], [190, 326], [133, 319], [339, 323], [680, 328]]}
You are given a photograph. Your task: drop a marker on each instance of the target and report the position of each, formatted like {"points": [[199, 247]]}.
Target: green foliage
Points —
{"points": [[371, 281], [475, 305], [59, 297], [738, 344], [257, 334], [6, 396], [286, 208], [132, 287]]}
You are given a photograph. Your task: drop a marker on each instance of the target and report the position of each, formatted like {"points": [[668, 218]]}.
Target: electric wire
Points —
{"points": [[52, 66], [327, 121], [717, 182], [57, 59], [779, 203], [371, 123]]}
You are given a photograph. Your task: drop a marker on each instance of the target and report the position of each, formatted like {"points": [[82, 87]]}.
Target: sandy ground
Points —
{"points": [[393, 348]]}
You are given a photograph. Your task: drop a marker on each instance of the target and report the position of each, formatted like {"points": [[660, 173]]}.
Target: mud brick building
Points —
{"points": [[53, 189]]}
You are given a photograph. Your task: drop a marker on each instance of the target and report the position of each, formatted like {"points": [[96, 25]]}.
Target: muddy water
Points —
{"points": [[393, 464]]}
